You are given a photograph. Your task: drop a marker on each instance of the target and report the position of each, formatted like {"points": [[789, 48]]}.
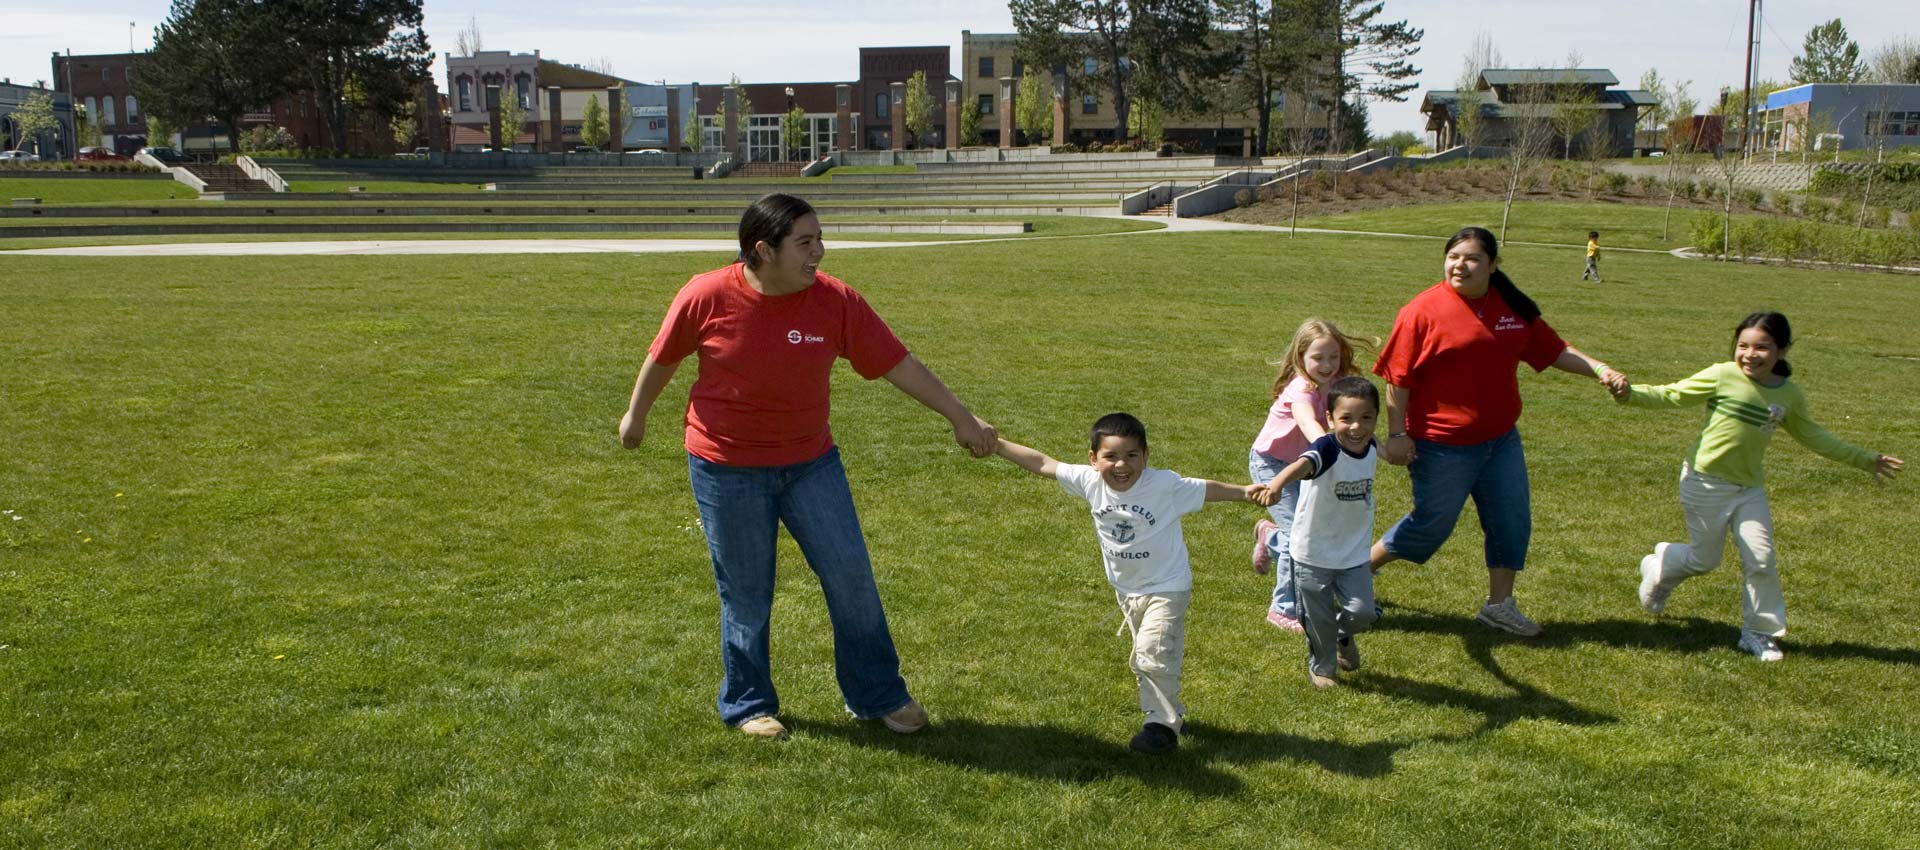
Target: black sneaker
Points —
{"points": [[1156, 739]]}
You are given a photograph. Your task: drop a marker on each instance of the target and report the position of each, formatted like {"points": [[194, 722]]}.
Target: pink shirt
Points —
{"points": [[1281, 438], [765, 363]]}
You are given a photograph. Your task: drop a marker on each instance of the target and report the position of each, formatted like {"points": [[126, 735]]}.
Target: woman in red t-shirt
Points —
{"points": [[767, 331], [1453, 400]]}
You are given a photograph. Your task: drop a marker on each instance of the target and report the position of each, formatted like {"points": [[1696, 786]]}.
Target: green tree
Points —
{"points": [[372, 50], [1828, 56], [1470, 105], [1268, 43], [1370, 57], [1654, 116], [793, 130], [1176, 34], [1147, 122], [1033, 107], [1396, 142], [513, 119], [404, 128], [85, 133], [160, 131], [593, 124], [1573, 106], [1353, 132], [1469, 116], [969, 124], [918, 106], [1896, 62], [740, 102], [33, 117], [693, 136], [218, 58]]}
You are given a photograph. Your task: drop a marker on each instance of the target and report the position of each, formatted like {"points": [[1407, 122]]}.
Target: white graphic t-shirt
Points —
{"points": [[1333, 525], [1139, 529]]}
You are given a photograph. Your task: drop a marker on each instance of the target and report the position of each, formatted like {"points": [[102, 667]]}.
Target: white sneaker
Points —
{"points": [[1763, 646], [1506, 617], [1653, 594]]}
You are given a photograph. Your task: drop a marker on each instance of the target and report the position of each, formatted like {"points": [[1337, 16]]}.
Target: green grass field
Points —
{"points": [[54, 190], [406, 186], [343, 552], [1620, 225]]}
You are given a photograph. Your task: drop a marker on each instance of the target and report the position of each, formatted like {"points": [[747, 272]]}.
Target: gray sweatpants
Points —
{"points": [[1333, 604]]}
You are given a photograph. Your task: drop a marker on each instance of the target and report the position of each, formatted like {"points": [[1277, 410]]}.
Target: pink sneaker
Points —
{"points": [[1284, 623], [1262, 556]]}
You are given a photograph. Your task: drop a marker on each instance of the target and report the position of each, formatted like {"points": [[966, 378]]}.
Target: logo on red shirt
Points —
{"points": [[1509, 323], [796, 337]]}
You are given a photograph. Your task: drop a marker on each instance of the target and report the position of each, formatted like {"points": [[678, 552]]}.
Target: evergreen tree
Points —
{"points": [[218, 58], [1828, 56], [1369, 57]]}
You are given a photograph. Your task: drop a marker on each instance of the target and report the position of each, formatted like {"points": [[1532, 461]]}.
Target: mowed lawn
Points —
{"points": [[343, 552]]}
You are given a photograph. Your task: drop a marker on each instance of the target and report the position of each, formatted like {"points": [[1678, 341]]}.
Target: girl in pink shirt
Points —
{"points": [[1319, 354]]}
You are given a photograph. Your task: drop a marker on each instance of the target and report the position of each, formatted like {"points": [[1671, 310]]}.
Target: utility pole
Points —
{"points": [[1747, 82]]}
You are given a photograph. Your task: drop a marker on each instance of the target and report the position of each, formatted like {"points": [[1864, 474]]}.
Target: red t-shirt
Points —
{"points": [[762, 395], [1457, 358]]}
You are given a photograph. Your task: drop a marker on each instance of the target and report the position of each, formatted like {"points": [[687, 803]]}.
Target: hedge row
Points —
{"points": [[1782, 239]]}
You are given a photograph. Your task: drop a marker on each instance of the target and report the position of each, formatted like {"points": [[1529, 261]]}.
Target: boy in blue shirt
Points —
{"points": [[1333, 529]]}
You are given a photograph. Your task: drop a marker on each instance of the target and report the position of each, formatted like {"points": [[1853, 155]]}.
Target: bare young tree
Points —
{"points": [[1683, 142], [1470, 101], [467, 41], [1530, 137], [1897, 61]]}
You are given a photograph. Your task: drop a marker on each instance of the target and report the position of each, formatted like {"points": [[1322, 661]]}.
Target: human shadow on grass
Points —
{"points": [[1496, 711], [1675, 634], [1061, 755]]}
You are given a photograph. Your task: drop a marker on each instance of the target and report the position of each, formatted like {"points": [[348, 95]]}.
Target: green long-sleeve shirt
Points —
{"points": [[1741, 418]]}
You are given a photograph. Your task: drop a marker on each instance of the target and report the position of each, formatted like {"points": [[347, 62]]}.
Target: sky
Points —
{"points": [[708, 41]]}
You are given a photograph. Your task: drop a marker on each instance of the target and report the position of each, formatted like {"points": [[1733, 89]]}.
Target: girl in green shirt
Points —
{"points": [[1723, 480]]}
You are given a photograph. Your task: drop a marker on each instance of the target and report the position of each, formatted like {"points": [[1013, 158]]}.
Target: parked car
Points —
{"points": [[99, 155], [168, 156], [647, 152], [18, 156], [584, 149]]}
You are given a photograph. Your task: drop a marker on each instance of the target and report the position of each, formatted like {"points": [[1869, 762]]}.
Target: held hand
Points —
{"points": [[1617, 384], [976, 436], [633, 429], [1887, 467], [1259, 495], [1398, 450]]}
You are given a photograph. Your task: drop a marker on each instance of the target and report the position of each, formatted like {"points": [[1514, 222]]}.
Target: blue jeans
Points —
{"points": [[1264, 469], [741, 509], [1494, 473]]}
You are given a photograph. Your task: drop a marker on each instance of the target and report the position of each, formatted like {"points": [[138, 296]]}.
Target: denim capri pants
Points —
{"points": [[1494, 473]]}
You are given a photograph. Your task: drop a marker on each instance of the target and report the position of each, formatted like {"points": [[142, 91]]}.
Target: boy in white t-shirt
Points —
{"points": [[1333, 529], [1136, 515]]}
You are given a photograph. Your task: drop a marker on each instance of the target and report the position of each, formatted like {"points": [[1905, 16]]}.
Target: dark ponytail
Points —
{"points": [[1521, 304], [1774, 325]]}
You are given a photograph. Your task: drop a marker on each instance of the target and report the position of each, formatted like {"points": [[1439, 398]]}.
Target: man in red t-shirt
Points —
{"points": [[1453, 403], [766, 331]]}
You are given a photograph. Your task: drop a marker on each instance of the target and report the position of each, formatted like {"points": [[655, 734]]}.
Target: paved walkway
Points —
{"points": [[529, 246], [642, 246]]}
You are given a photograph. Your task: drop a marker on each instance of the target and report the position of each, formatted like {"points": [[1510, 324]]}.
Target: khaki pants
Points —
{"points": [[1714, 507], [1158, 622]]}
